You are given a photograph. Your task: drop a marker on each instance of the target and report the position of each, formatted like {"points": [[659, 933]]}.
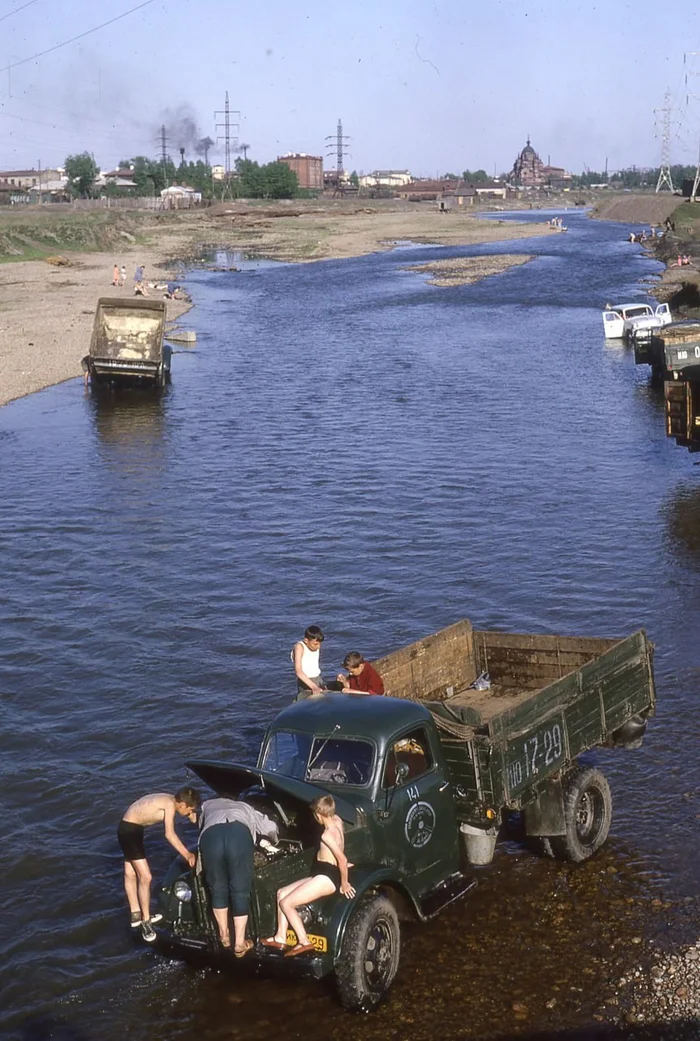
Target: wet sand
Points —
{"points": [[46, 312]]}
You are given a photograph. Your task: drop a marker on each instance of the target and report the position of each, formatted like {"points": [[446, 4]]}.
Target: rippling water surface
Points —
{"points": [[347, 446]]}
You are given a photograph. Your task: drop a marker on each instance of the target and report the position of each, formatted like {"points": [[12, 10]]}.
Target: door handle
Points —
{"points": [[443, 786]]}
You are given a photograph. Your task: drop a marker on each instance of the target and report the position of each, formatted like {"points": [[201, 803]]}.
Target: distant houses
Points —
{"points": [[396, 179], [453, 194]]}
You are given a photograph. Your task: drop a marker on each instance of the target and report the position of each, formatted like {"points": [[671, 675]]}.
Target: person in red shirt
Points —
{"points": [[362, 677]]}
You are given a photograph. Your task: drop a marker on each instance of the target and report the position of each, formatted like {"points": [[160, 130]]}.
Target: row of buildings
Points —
{"points": [[52, 186], [529, 173]]}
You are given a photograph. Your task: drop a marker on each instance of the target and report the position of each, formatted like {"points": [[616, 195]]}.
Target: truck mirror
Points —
{"points": [[402, 772]]}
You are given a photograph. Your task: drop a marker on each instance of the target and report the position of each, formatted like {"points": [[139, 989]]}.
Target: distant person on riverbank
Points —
{"points": [[306, 656], [138, 275], [362, 677], [115, 275], [122, 276], [151, 809]]}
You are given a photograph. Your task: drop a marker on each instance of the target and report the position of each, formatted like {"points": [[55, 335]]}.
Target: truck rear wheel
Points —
{"points": [[588, 810], [369, 955]]}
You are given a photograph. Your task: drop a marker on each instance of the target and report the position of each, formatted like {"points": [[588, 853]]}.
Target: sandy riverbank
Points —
{"points": [[46, 316], [46, 312]]}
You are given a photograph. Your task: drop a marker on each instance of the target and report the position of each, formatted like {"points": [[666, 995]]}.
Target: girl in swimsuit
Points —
{"points": [[328, 874]]}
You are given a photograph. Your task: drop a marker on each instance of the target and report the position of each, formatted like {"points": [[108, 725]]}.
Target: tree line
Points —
{"points": [[250, 180]]}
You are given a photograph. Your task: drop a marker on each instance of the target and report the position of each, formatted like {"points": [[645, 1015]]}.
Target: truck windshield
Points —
{"points": [[340, 760], [288, 753], [330, 759]]}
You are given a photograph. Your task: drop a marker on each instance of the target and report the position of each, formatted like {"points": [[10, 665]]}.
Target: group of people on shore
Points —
{"points": [[230, 829], [119, 278], [171, 291]]}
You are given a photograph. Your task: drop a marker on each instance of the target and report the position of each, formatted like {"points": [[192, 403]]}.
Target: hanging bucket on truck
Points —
{"points": [[479, 844]]}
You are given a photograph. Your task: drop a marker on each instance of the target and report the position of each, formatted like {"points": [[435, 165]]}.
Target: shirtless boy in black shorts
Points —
{"points": [[329, 873], [151, 809]]}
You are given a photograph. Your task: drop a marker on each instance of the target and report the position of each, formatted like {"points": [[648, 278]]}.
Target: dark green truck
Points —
{"points": [[422, 779]]}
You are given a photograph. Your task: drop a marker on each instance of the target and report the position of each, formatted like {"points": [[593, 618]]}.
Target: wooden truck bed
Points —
{"points": [[552, 698]]}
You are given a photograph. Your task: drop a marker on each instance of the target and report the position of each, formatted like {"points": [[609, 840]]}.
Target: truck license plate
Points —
{"points": [[535, 754], [320, 942]]}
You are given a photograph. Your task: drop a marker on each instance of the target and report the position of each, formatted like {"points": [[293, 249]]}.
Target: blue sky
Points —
{"points": [[432, 87]]}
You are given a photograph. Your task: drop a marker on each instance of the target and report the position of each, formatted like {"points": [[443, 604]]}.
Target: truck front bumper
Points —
{"points": [[259, 960]]}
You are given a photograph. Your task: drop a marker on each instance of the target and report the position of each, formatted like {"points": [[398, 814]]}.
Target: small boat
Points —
{"points": [[622, 321]]}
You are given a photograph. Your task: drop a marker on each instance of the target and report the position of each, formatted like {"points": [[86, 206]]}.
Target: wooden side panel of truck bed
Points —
{"points": [[551, 698], [545, 733]]}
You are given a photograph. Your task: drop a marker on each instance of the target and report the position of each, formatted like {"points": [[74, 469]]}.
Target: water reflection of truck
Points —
{"points": [[127, 343], [422, 780]]}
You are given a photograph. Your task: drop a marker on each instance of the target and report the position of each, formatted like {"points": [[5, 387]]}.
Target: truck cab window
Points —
{"points": [[413, 749]]}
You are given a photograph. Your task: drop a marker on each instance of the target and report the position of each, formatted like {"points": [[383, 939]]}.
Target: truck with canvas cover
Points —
{"points": [[476, 726]]}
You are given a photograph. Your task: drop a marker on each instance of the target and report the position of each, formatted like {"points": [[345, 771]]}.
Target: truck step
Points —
{"points": [[432, 902]]}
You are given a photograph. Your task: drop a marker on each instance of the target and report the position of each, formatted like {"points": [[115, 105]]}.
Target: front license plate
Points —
{"points": [[320, 942]]}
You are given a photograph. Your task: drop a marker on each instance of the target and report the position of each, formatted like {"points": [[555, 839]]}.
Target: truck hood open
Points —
{"points": [[230, 779]]}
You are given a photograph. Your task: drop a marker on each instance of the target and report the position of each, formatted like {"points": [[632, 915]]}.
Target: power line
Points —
{"points": [[80, 36], [17, 10]]}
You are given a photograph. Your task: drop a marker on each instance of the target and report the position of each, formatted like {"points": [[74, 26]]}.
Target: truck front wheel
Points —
{"points": [[588, 810], [369, 955]]}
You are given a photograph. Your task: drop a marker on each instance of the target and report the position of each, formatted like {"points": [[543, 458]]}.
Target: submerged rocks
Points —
{"points": [[669, 991]]}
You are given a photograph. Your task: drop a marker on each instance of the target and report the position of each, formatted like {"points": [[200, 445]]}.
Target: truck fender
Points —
{"points": [[363, 880], [546, 815]]}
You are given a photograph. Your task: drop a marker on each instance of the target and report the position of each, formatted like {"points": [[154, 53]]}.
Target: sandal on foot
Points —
{"points": [[240, 952], [274, 944], [301, 948], [226, 944]]}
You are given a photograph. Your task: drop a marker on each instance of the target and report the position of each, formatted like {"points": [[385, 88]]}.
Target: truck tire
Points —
{"points": [[369, 954], [588, 809]]}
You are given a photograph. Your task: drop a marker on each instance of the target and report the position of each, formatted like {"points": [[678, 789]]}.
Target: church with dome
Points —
{"points": [[530, 172]]}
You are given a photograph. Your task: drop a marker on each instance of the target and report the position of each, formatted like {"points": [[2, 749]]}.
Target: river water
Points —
{"points": [[351, 447]]}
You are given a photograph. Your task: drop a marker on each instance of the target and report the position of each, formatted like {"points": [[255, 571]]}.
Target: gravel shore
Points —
{"points": [[668, 992]]}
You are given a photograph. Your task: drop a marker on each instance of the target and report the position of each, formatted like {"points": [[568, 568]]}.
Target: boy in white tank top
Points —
{"points": [[306, 656]]}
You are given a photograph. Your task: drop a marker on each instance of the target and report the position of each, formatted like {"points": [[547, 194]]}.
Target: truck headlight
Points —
{"points": [[182, 891], [305, 913]]}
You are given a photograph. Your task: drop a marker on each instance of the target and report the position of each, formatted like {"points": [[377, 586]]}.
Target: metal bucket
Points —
{"points": [[479, 844]]}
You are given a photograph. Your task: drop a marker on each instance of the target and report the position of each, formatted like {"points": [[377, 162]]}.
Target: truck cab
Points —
{"points": [[384, 755]]}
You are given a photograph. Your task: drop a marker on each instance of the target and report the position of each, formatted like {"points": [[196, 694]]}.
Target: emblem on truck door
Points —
{"points": [[420, 824]]}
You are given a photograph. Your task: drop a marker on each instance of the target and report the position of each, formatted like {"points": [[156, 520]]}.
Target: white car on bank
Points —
{"points": [[621, 321]]}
